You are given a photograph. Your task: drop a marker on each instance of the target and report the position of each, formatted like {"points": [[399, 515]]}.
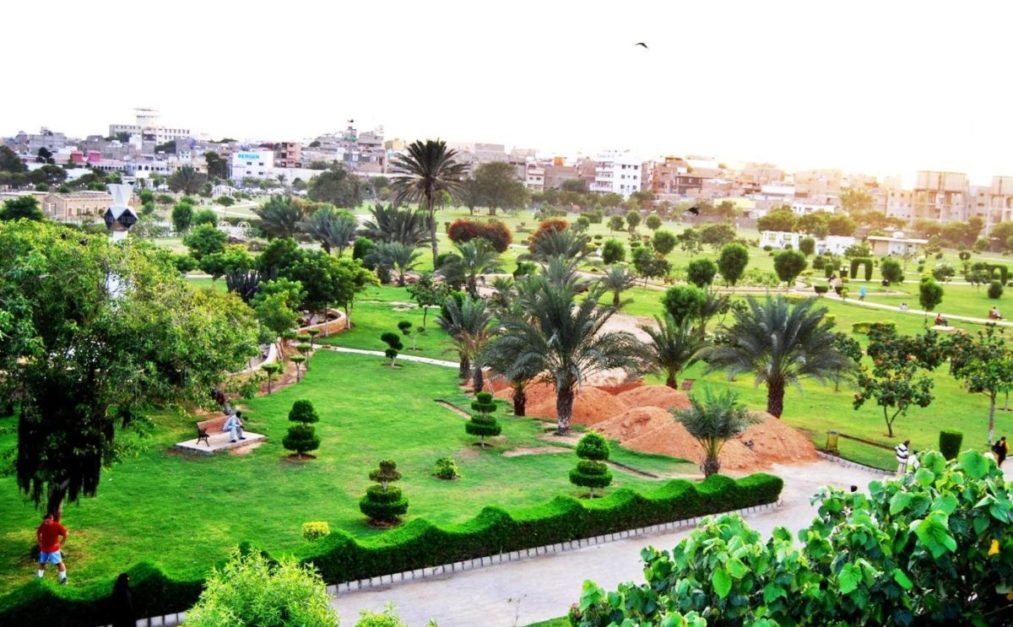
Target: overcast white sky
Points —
{"points": [[879, 87]]}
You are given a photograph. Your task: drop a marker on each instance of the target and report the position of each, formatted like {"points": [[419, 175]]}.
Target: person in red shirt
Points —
{"points": [[51, 535]]}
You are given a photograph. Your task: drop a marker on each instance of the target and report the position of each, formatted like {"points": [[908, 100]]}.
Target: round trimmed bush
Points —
{"points": [[949, 443], [995, 290], [483, 424], [304, 412], [446, 468], [383, 502], [383, 512], [301, 438], [591, 471], [377, 494], [593, 446]]}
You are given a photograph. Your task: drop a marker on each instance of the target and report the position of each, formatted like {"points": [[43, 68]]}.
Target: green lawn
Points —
{"points": [[187, 512]]}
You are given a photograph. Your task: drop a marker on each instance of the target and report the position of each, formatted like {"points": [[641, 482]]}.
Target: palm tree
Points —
{"points": [[332, 228], [673, 346], [565, 340], [427, 169], [713, 422], [617, 280], [780, 344], [394, 255], [565, 243], [477, 257], [390, 224], [280, 217], [468, 323]]}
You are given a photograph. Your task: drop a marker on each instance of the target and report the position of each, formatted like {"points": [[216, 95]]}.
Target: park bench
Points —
{"points": [[211, 439], [205, 428]]}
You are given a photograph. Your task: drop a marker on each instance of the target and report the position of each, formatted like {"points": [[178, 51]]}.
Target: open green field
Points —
{"points": [[186, 513]]}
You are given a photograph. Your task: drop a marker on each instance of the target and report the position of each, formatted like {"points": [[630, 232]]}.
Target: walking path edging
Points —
{"points": [[412, 358], [385, 581], [850, 464]]}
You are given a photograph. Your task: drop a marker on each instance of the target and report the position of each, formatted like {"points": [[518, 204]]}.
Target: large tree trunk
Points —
{"points": [[520, 399], [670, 381], [564, 408], [464, 369], [615, 299], [54, 502], [775, 398], [711, 466], [477, 380], [431, 210]]}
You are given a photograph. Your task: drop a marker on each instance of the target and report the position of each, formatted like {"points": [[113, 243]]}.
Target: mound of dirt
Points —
{"points": [[590, 404], [777, 442], [655, 396]]}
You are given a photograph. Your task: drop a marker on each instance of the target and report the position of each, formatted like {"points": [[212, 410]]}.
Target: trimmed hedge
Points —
{"points": [[949, 443], [417, 544]]}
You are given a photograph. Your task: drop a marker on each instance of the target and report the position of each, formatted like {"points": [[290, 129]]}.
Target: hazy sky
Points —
{"points": [[881, 87]]}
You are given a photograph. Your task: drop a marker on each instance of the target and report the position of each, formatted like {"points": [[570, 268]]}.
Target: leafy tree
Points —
{"points": [[984, 363], [855, 200], [717, 235], [781, 219], [894, 383], [350, 278], [673, 346], [187, 180], [11, 162], [217, 166], [616, 223], [26, 207], [332, 228], [689, 240], [276, 304], [494, 232], [907, 552], [280, 217], [468, 322], [427, 169], [995, 290], [427, 294], [663, 242], [270, 370], [84, 358], [649, 264], [384, 502], [592, 472], [891, 270], [712, 422], [496, 186], [617, 280], [930, 294], [732, 263], [841, 225], [816, 224], [44, 156], [565, 339], [483, 424], [780, 344], [182, 217], [613, 252], [252, 589], [302, 436], [653, 222], [391, 224], [632, 220], [700, 272], [205, 240], [683, 302], [788, 264], [807, 246], [336, 186]]}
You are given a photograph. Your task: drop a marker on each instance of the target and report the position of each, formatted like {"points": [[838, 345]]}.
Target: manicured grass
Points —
{"points": [[186, 513]]}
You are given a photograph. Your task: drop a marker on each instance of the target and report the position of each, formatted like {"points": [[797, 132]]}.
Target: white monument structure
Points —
{"points": [[119, 218]]}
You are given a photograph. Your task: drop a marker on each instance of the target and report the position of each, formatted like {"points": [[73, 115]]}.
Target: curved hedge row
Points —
{"points": [[418, 544]]}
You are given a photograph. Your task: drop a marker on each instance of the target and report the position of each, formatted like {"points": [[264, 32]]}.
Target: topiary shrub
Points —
{"points": [[995, 290], [315, 530], [483, 424], [446, 469], [949, 443], [387, 618], [383, 502], [591, 471], [302, 436], [821, 289], [393, 342], [271, 370]]}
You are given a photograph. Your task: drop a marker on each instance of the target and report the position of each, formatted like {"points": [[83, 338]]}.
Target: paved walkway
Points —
{"points": [[520, 593], [914, 312], [414, 358]]}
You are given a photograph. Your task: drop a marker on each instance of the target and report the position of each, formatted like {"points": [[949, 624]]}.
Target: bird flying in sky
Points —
{"points": [[640, 43]]}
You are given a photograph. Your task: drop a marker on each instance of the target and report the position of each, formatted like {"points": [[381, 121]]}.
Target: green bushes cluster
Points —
{"points": [[417, 544]]}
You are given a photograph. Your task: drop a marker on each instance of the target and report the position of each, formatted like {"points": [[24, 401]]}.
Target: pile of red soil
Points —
{"points": [[655, 396]]}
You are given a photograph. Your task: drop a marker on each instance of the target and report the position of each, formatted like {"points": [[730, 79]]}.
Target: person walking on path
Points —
{"points": [[902, 453], [50, 535], [1001, 450]]}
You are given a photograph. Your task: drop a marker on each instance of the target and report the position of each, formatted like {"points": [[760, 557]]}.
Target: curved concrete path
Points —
{"points": [[913, 312], [540, 588], [413, 358]]}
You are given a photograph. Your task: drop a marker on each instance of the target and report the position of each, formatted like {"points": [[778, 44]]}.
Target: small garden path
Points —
{"points": [[412, 358]]}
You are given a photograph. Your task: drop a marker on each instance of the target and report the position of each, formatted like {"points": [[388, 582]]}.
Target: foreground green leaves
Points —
{"points": [[931, 548]]}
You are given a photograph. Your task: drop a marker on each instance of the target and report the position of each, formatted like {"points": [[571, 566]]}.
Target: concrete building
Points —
{"points": [[147, 127], [617, 173], [255, 164], [895, 244], [534, 176], [664, 176], [76, 206], [818, 186], [778, 240], [556, 175], [288, 154], [805, 208], [940, 196]]}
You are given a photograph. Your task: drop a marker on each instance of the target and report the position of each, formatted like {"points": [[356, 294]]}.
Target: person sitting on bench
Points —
{"points": [[234, 425], [940, 320]]}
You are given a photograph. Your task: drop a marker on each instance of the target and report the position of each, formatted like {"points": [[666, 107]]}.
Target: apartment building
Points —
{"points": [[940, 196], [556, 175], [147, 127], [255, 164], [288, 154], [818, 186], [617, 173], [534, 176], [665, 175]]}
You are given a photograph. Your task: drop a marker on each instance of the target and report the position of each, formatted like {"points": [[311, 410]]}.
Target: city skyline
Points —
{"points": [[857, 87]]}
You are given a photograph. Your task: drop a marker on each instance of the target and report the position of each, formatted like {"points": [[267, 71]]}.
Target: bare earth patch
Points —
{"points": [[535, 450], [245, 450]]}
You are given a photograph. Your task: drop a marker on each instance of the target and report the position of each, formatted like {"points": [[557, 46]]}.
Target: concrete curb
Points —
{"points": [[840, 461], [444, 570]]}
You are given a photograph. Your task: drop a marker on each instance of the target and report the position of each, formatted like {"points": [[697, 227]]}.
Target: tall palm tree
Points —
{"points": [[617, 280], [477, 257], [332, 228], [394, 255], [780, 344], [713, 422], [469, 324], [280, 217], [565, 340], [427, 169], [505, 360], [565, 243], [673, 346]]}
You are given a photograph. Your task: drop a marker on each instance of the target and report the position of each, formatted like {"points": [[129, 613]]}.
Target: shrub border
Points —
{"points": [[420, 547]]}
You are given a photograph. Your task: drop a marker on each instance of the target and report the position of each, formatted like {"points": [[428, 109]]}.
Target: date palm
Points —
{"points": [[617, 280], [477, 257], [332, 228], [712, 422], [427, 169], [280, 217], [391, 224], [673, 346], [565, 243], [394, 255], [566, 340], [468, 322], [780, 344]]}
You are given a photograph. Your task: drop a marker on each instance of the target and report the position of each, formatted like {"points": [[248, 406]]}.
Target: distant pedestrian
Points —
{"points": [[902, 453], [50, 535], [903, 307], [862, 292], [1001, 450]]}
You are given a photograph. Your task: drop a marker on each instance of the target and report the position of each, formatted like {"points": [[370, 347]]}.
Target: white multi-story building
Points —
{"points": [[617, 173], [534, 176], [252, 164], [805, 208], [835, 244], [148, 128]]}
